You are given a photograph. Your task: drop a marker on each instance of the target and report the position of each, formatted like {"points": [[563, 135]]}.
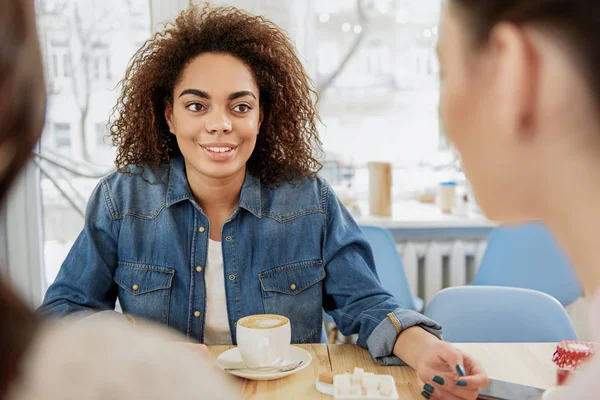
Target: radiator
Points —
{"points": [[434, 265]]}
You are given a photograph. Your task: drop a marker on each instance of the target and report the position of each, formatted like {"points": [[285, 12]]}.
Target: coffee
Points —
{"points": [[263, 321], [263, 339]]}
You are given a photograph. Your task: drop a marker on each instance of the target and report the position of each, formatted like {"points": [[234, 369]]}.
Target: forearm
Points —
{"points": [[410, 344]]}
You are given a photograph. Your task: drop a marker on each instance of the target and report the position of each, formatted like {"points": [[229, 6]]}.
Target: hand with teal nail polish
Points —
{"points": [[449, 373]]}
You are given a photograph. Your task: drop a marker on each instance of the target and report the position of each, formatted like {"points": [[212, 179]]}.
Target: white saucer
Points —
{"points": [[233, 359]]}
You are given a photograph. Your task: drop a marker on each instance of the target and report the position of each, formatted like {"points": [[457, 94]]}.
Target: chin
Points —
{"points": [[220, 171], [504, 214]]}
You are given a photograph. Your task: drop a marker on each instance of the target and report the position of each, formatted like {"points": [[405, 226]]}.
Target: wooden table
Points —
{"points": [[528, 364]]}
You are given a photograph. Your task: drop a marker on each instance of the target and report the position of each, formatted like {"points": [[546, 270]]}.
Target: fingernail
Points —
{"points": [[429, 388], [426, 395], [461, 383], [461, 370], [439, 380]]}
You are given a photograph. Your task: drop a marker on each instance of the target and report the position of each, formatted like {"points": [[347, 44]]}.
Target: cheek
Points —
{"points": [[455, 107], [247, 129]]}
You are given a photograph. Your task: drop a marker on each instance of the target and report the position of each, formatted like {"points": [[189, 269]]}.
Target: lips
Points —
{"points": [[219, 151]]}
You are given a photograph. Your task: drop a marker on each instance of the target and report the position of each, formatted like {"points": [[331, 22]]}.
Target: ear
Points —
{"points": [[516, 74], [169, 115]]}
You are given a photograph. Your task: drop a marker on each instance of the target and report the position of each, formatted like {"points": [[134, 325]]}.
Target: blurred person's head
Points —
{"points": [[22, 104], [227, 91], [520, 96]]}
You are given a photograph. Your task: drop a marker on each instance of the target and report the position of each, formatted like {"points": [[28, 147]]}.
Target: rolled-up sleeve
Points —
{"points": [[353, 295]]}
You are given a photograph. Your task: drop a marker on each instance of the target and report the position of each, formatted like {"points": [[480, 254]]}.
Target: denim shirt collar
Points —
{"points": [[179, 189]]}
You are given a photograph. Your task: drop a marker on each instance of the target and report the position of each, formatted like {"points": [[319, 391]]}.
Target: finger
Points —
{"points": [[477, 381], [439, 394], [452, 393], [454, 359], [472, 366], [445, 383]]}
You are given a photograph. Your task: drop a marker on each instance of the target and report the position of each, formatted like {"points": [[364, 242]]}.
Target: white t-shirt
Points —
{"points": [[216, 328]]}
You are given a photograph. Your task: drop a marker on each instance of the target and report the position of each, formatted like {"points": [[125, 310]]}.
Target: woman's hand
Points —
{"points": [[449, 373]]}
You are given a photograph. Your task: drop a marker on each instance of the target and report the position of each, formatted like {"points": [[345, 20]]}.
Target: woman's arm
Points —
{"points": [[85, 281]]}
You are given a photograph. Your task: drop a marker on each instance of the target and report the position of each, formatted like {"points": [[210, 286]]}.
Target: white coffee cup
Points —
{"points": [[263, 339]]}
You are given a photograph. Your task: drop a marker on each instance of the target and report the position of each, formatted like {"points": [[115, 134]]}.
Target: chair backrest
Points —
{"points": [[527, 256], [499, 314], [389, 265]]}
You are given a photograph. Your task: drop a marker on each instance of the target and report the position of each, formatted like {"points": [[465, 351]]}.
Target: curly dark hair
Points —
{"points": [[288, 145]]}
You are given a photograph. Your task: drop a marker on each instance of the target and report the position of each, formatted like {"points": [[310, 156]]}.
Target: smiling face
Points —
{"points": [[215, 115]]}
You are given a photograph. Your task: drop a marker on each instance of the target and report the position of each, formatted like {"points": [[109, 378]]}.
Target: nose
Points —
{"points": [[218, 122]]}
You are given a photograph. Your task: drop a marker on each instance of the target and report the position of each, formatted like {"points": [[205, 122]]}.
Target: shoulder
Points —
{"points": [[142, 191], [295, 198], [110, 356]]}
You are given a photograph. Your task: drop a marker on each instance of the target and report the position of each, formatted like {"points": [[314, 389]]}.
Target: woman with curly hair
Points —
{"points": [[216, 212], [100, 358]]}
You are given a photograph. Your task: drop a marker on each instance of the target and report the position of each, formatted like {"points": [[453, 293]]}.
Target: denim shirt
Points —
{"points": [[291, 249]]}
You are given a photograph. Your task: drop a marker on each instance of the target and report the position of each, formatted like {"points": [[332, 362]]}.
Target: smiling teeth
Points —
{"points": [[219, 149]]}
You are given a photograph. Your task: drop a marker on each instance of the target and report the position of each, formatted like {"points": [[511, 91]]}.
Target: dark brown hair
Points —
{"points": [[22, 105], [288, 137], [22, 99], [577, 21]]}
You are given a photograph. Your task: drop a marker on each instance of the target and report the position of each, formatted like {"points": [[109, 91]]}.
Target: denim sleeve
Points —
{"points": [[353, 294], [85, 281]]}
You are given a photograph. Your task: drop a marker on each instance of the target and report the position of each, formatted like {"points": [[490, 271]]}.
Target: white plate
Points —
{"points": [[233, 359]]}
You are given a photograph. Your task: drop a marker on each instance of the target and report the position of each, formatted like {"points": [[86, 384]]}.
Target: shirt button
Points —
{"points": [[135, 286], [196, 314], [201, 229], [228, 238], [293, 286], [198, 269], [231, 277]]}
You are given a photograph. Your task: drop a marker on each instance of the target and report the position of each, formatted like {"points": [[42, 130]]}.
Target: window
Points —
{"points": [[102, 135], [386, 97], [62, 136], [82, 51], [107, 64], [67, 65], [55, 65]]}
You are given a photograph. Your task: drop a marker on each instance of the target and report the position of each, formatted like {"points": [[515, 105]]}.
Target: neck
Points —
{"points": [[216, 195], [571, 210]]}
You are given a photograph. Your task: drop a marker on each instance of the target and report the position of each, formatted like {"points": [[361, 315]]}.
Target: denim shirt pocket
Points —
{"points": [[145, 290], [296, 291]]}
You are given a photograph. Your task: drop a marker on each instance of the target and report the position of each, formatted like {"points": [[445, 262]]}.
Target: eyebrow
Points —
{"points": [[203, 94]]}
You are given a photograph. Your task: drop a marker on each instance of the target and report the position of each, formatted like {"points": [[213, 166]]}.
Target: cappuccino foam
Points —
{"points": [[263, 321]]}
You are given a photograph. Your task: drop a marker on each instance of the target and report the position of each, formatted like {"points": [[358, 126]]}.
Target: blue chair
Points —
{"points": [[390, 268], [527, 256], [497, 314], [324, 335]]}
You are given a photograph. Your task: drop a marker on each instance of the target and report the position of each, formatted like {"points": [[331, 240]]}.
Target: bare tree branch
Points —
{"points": [[363, 20]]}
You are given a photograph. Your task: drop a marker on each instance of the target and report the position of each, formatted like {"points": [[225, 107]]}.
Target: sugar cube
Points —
{"points": [[343, 379], [373, 393], [358, 375], [386, 387], [344, 391], [370, 382], [355, 390]]}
